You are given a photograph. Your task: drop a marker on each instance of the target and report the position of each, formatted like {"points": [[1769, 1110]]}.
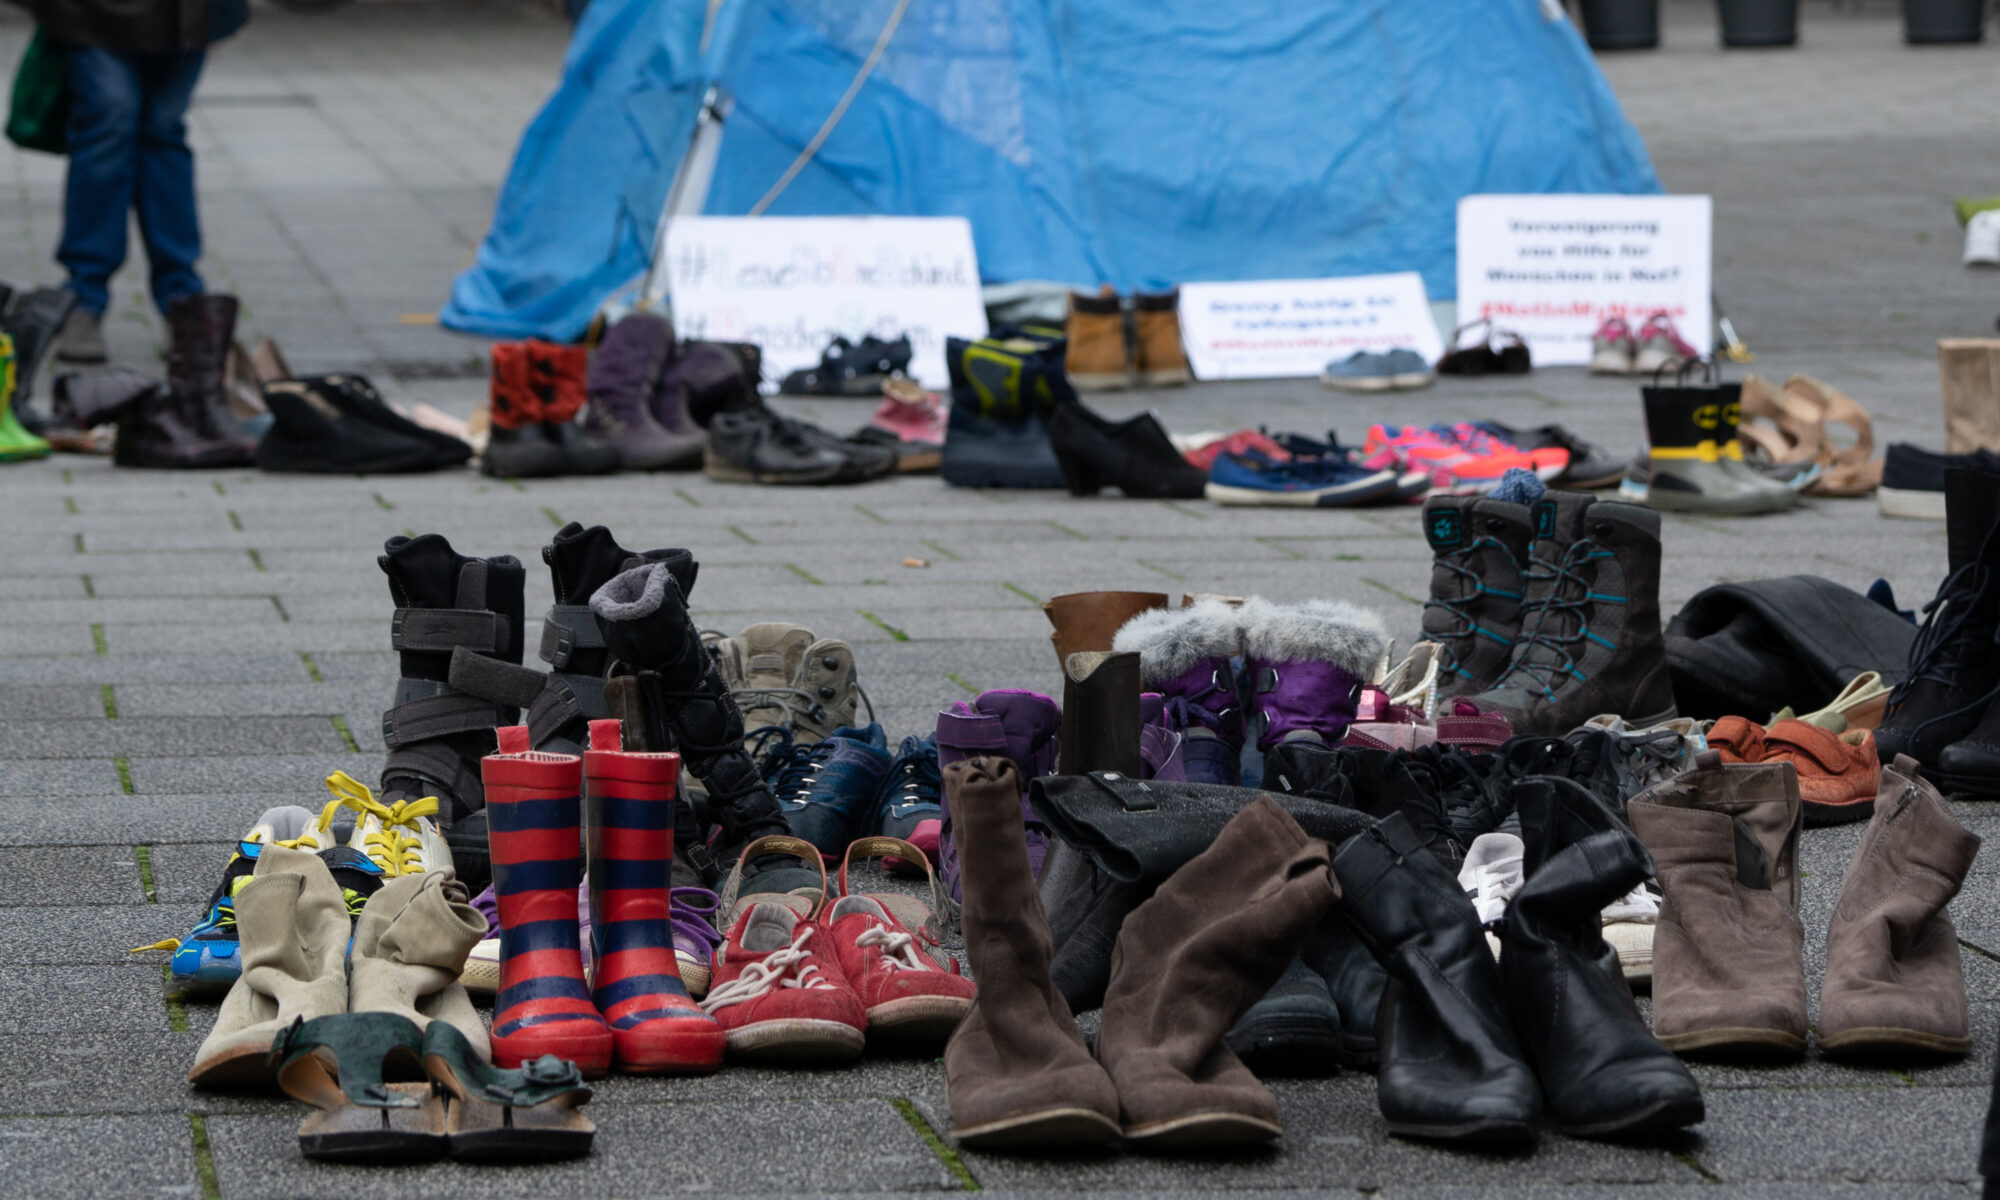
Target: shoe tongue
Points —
{"points": [[581, 561], [423, 571], [1559, 516], [773, 652]]}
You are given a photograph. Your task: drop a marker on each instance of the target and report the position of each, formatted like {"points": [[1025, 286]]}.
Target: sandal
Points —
{"points": [[336, 1064], [1848, 472], [496, 1115], [1794, 434], [1500, 352], [800, 894]]}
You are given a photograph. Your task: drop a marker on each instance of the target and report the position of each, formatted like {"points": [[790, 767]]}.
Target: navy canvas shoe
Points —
{"points": [[826, 789], [1252, 479]]}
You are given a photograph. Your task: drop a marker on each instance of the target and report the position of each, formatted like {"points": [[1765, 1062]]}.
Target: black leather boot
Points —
{"points": [[1100, 714], [1451, 1069], [1293, 1032], [1479, 551], [33, 319], [1603, 1073], [458, 626], [1943, 713], [1134, 456], [202, 326]]}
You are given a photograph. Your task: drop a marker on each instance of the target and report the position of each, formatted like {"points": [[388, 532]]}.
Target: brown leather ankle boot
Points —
{"points": [[1158, 358], [1099, 358], [1089, 620], [1016, 1072]]}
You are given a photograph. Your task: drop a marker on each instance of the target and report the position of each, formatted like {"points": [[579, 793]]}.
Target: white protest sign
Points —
{"points": [[793, 284], [1553, 268], [1280, 328]]}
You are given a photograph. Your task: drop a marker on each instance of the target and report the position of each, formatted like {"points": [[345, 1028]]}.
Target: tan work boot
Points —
{"points": [[409, 950], [1098, 358], [781, 675], [1089, 620], [1158, 357], [1192, 960], [294, 927], [1969, 377], [1894, 985], [1016, 1071], [1728, 948]]}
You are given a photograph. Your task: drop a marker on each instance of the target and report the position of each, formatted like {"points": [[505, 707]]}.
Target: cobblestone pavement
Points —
{"points": [[179, 652]]}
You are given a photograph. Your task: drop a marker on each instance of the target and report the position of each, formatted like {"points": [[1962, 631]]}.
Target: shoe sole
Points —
{"points": [[1663, 1116], [1888, 1041], [1172, 377], [1593, 484], [1699, 504], [1913, 503], [1204, 1131], [724, 472], [1057, 1128], [1820, 815], [1331, 497], [592, 1053], [242, 1067], [1372, 383], [1610, 362], [1764, 1044], [925, 462], [1412, 381], [918, 1018], [689, 1052], [797, 1039], [1492, 1132], [1100, 383]]}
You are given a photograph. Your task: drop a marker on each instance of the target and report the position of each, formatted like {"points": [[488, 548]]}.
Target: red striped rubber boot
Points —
{"points": [[628, 812], [543, 1005]]}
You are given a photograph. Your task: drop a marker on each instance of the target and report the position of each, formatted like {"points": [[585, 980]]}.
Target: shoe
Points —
{"points": [[206, 962], [622, 381], [1479, 553], [1453, 467], [1590, 465], [400, 838], [985, 451], [792, 688], [779, 991], [1097, 357], [1491, 875], [1590, 638], [827, 788], [1971, 394], [1101, 722], [155, 428], [849, 369], [1201, 449], [1377, 371], [1015, 725], [17, 444], [201, 327], [409, 941], [1158, 359], [355, 397], [1292, 1032], [309, 434], [537, 390], [1839, 773], [1913, 478], [1500, 352], [757, 446], [1690, 439], [1087, 621], [1982, 240], [35, 320], [908, 804], [1135, 456], [1410, 482], [1306, 664], [1627, 925], [912, 420], [1184, 656], [1546, 463], [82, 338], [909, 994], [1302, 483], [1612, 348], [1660, 345]]}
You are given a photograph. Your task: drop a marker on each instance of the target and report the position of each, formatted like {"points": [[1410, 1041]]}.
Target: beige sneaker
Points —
{"points": [[400, 837]]}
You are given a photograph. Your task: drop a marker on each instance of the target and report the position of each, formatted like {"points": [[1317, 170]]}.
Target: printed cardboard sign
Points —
{"points": [[1554, 268], [1282, 328], [793, 284]]}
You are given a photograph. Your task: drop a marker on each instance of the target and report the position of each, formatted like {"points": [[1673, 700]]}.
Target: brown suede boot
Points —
{"points": [[1894, 986], [1728, 949], [1098, 359], [1089, 620], [1192, 960], [1969, 378], [1016, 1072], [1158, 357]]}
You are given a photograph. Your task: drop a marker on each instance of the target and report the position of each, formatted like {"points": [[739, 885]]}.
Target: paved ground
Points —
{"points": [[177, 653]]}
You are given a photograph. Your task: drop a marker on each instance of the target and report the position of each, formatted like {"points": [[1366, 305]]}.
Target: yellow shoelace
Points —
{"points": [[397, 844]]}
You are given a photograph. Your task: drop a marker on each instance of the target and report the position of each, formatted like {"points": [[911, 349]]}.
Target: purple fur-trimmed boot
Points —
{"points": [[1184, 654], [1017, 725], [1159, 743], [1307, 664]]}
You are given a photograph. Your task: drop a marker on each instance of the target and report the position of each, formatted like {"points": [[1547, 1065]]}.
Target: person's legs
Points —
{"points": [[105, 110], [167, 215]]}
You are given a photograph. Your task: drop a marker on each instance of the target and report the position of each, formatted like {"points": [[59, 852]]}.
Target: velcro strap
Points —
{"points": [[439, 716], [567, 629], [441, 771], [445, 629], [490, 679], [566, 698]]}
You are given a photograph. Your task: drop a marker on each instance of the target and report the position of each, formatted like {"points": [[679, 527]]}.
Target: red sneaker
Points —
{"points": [[908, 995], [1453, 467], [1240, 442], [1548, 462], [779, 993]]}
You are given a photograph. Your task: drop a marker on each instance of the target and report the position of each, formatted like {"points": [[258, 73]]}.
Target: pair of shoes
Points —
{"points": [[339, 424], [1838, 773], [1189, 961], [1100, 357], [1548, 614], [911, 420], [757, 445], [851, 368], [538, 388], [630, 405], [1616, 350], [1378, 371], [1135, 456], [1500, 352], [1729, 974], [1462, 457], [809, 977], [1913, 479], [1307, 474], [847, 786], [690, 911], [1004, 392]]}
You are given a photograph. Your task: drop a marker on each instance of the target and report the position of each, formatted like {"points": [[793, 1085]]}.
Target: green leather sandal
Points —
{"points": [[336, 1064], [497, 1115]]}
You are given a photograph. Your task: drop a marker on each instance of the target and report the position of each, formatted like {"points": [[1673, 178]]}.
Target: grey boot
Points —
{"points": [[624, 374], [409, 949], [1480, 559]]}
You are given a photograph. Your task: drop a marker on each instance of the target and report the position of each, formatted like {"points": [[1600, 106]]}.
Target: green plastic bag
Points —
{"points": [[38, 118]]}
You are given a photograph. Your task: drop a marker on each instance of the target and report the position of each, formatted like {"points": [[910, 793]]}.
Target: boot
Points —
{"points": [[409, 949], [621, 381], [635, 982], [537, 390], [1894, 986], [543, 1005], [1194, 958], [202, 326], [784, 678], [666, 690], [1969, 378], [1685, 435], [1184, 655], [1307, 663], [1158, 359], [1602, 1073], [294, 929], [1098, 357], [1451, 1066], [1728, 948], [17, 443], [1729, 445], [1017, 725], [1943, 714], [33, 319], [1100, 715], [1134, 455], [1480, 550], [1090, 620], [458, 626], [1293, 1032], [1017, 1073], [1590, 638]]}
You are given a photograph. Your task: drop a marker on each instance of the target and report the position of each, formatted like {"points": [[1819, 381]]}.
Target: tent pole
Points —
{"points": [[689, 191]]}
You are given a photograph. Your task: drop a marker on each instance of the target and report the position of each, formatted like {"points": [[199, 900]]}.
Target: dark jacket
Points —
{"points": [[139, 26]]}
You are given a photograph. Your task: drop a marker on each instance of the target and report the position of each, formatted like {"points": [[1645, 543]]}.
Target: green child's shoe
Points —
{"points": [[15, 441]]}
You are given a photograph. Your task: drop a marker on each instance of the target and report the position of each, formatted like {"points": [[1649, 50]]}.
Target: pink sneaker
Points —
{"points": [[1660, 345], [1612, 348]]}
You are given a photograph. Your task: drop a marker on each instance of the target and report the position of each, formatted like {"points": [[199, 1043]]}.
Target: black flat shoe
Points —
{"points": [[1134, 456]]}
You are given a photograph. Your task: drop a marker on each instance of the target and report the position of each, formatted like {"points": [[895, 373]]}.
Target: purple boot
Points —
{"points": [[1159, 743], [1185, 653], [1013, 724], [1307, 665], [624, 374]]}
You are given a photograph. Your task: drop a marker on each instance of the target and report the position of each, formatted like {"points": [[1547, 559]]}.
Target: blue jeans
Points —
{"points": [[128, 149]]}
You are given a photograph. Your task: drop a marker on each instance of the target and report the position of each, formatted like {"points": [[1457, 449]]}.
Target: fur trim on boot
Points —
{"points": [[1350, 637], [1170, 641]]}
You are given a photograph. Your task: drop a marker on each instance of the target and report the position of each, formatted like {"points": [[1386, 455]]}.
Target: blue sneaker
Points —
{"points": [[1330, 482], [907, 805], [827, 789], [1374, 371]]}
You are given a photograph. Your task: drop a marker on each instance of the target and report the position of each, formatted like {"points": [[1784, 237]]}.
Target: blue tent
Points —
{"points": [[1087, 141]]}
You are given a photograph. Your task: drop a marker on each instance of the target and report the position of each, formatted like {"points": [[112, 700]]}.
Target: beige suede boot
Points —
{"points": [[409, 949], [1969, 378], [1158, 358], [1098, 357]]}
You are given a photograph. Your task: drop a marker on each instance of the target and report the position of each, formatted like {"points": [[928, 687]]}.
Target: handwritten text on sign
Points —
{"points": [[1554, 268], [1276, 329], [793, 284]]}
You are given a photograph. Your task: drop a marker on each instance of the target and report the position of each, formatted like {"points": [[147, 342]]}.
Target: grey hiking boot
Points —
{"points": [[82, 337], [1480, 550], [783, 677]]}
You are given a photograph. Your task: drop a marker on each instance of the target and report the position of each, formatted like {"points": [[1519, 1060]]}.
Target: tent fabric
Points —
{"points": [[1090, 141]]}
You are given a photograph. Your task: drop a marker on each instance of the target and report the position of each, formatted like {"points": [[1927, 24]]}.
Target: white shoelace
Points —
{"points": [[1638, 907], [791, 967], [1492, 874], [899, 950]]}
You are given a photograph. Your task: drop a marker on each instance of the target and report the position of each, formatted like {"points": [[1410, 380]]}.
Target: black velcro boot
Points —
{"points": [[458, 628], [1479, 553]]}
